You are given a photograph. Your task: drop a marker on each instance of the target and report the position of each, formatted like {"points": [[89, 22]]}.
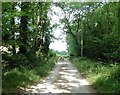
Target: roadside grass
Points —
{"points": [[15, 79], [104, 78]]}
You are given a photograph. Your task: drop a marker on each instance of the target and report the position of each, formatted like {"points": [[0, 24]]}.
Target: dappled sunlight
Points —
{"points": [[63, 79]]}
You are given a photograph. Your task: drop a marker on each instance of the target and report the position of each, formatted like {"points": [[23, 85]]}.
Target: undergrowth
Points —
{"points": [[105, 78], [22, 77]]}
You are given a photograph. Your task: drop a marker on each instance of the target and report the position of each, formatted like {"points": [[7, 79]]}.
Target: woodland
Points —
{"points": [[92, 35]]}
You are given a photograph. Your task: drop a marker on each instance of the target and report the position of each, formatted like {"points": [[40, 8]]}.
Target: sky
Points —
{"points": [[59, 45]]}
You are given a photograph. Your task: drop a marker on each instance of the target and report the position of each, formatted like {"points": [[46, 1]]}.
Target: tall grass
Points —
{"points": [[105, 78]]}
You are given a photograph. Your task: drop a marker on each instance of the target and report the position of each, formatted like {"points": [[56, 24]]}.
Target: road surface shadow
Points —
{"points": [[63, 79]]}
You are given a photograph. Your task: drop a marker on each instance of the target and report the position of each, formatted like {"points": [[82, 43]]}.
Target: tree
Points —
{"points": [[26, 33], [98, 24], [24, 28]]}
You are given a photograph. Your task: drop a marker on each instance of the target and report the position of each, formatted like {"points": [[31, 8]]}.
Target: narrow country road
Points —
{"points": [[63, 79]]}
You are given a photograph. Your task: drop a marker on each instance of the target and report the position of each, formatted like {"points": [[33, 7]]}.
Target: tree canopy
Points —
{"points": [[26, 32], [92, 29]]}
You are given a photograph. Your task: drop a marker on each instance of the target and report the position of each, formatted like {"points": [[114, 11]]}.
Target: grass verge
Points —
{"points": [[18, 78], [104, 78]]}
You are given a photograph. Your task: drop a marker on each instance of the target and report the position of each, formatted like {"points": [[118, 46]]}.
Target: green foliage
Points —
{"points": [[61, 53], [26, 35], [20, 78], [23, 76], [72, 47], [96, 24], [105, 78], [21, 34]]}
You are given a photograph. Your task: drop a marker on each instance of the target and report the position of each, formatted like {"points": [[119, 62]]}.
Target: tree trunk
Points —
{"points": [[81, 44], [13, 30], [24, 28]]}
